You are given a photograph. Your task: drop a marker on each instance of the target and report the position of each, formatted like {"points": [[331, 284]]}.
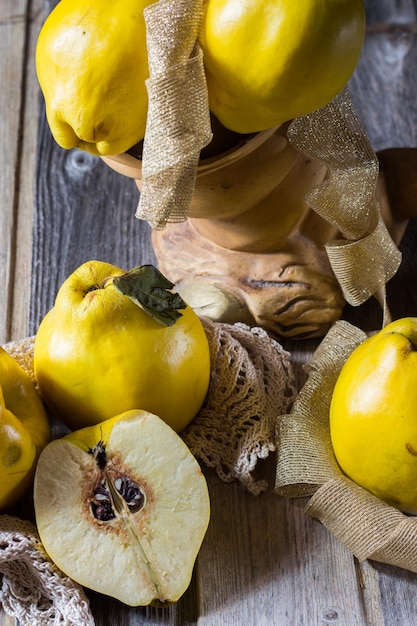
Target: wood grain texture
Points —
{"points": [[19, 24], [25, 175], [15, 240], [263, 561], [383, 85]]}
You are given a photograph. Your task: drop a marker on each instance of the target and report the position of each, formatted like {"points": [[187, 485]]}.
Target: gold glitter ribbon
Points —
{"points": [[366, 526], [178, 121], [178, 127], [366, 258]]}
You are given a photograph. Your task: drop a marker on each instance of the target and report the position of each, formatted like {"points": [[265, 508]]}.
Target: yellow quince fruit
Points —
{"points": [[266, 61], [373, 415], [24, 430], [92, 64], [115, 341]]}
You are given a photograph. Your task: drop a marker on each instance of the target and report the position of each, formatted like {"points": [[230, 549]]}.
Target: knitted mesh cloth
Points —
{"points": [[251, 381], [33, 589]]}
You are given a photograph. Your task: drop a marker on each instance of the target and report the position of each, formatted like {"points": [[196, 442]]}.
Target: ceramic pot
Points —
{"points": [[252, 250]]}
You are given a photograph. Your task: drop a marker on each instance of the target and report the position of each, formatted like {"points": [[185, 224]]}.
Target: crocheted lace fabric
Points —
{"points": [[251, 381], [33, 589]]}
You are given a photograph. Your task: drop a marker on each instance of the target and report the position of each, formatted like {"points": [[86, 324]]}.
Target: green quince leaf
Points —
{"points": [[150, 290]]}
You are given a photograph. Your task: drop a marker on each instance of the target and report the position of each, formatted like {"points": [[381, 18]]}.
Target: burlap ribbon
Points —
{"points": [[306, 466], [178, 122]]}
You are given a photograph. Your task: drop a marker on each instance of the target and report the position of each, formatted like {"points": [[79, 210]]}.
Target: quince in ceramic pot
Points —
{"points": [[252, 249], [92, 65], [267, 61]]}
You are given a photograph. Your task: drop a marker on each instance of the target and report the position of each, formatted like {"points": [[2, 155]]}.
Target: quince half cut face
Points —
{"points": [[122, 508]]}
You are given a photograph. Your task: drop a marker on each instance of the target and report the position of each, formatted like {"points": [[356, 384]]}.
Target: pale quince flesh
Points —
{"points": [[122, 508]]}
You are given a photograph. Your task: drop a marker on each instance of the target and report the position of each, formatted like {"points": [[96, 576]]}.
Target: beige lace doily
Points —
{"points": [[251, 381], [33, 589], [366, 526]]}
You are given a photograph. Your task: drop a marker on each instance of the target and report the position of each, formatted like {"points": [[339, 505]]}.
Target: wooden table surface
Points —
{"points": [[263, 562]]}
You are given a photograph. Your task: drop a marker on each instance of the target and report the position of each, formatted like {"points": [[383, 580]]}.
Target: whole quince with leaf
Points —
{"points": [[24, 430], [266, 61], [115, 341], [373, 415]]}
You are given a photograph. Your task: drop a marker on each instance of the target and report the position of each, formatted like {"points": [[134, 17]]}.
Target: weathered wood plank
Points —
{"points": [[25, 177], [383, 85], [19, 23], [387, 12], [265, 563], [13, 56]]}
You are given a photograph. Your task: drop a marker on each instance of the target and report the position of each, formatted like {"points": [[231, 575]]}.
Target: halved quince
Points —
{"points": [[122, 508]]}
